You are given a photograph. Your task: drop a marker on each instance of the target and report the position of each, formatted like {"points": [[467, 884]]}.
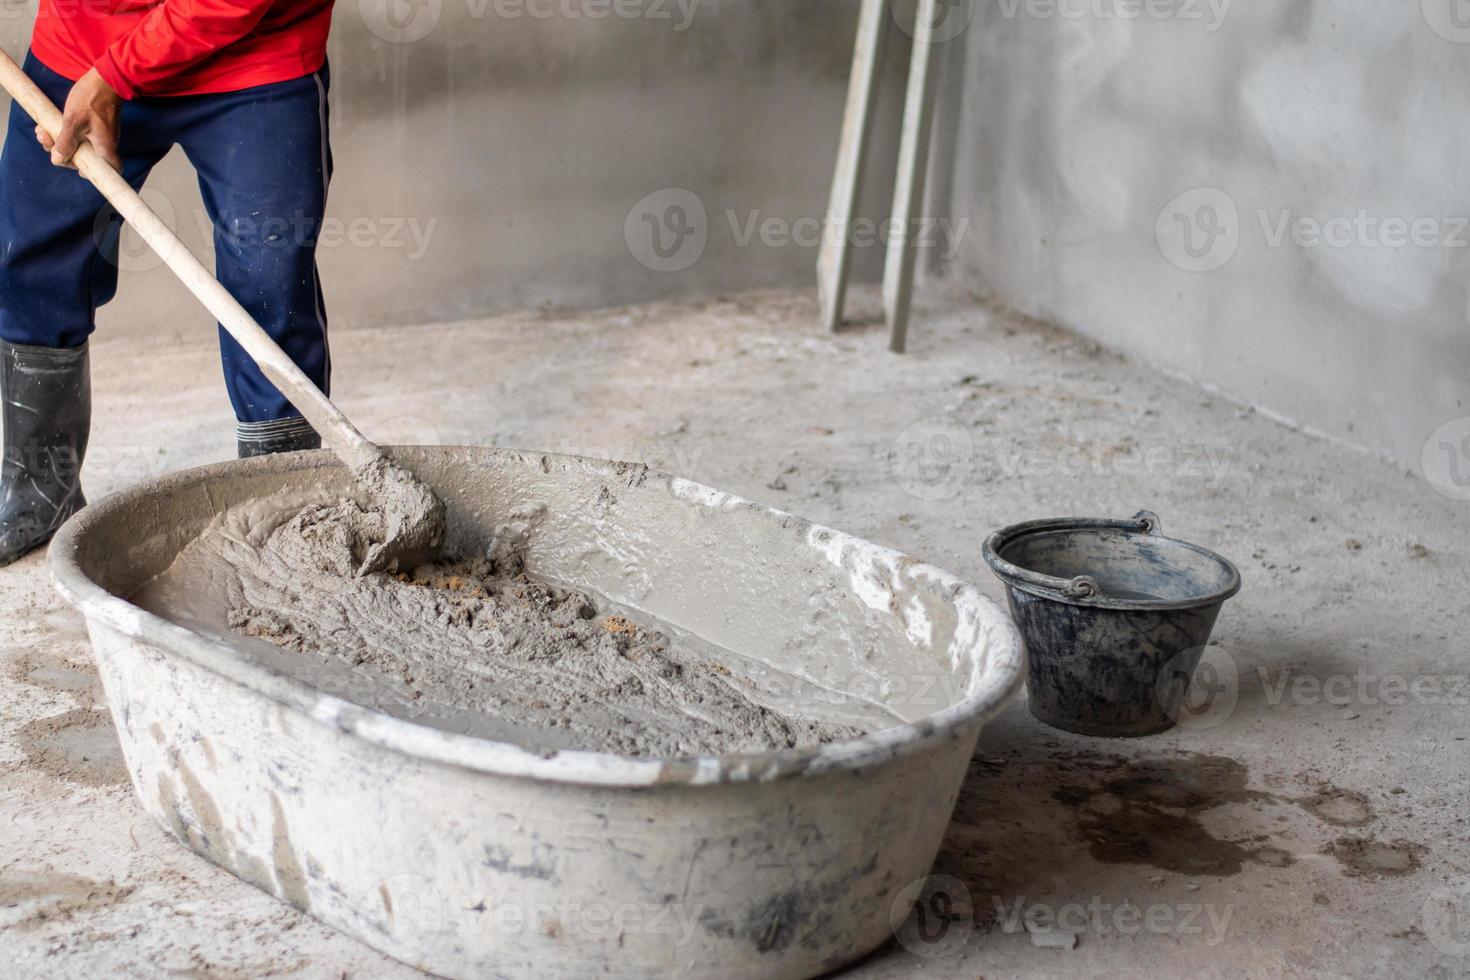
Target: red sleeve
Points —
{"points": [[175, 35]]}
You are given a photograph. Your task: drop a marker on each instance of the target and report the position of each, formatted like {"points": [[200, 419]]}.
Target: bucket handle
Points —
{"points": [[1082, 586], [1149, 521]]}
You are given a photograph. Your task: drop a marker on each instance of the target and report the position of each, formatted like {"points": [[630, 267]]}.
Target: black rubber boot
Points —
{"points": [[47, 417], [277, 436]]}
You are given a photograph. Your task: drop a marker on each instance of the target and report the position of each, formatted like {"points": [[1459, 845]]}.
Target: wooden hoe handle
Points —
{"points": [[334, 427]]}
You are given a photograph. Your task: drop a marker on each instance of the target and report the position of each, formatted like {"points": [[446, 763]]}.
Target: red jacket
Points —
{"points": [[183, 47]]}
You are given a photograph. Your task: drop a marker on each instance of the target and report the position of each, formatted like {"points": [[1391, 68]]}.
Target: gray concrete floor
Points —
{"points": [[1312, 821]]}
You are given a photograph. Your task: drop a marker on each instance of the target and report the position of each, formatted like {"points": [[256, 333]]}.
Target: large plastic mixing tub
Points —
{"points": [[471, 857]]}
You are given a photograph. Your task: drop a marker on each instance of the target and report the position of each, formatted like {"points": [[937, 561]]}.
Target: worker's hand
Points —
{"points": [[90, 116]]}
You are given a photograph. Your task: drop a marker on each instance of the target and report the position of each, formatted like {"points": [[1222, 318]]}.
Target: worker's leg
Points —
{"points": [[264, 164], [58, 255]]}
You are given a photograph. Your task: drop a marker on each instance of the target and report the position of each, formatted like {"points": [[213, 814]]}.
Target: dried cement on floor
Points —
{"points": [[472, 639], [1311, 824]]}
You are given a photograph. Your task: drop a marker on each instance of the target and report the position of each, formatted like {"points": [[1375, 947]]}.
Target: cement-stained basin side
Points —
{"points": [[467, 856]]}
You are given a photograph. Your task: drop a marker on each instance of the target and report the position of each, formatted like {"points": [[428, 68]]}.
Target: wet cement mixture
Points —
{"points": [[474, 636], [405, 526]]}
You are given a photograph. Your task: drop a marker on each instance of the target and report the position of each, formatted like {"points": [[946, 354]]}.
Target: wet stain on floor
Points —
{"points": [[1339, 807], [31, 899], [63, 621], [1365, 857], [1147, 812], [57, 674], [79, 746], [1162, 812]]}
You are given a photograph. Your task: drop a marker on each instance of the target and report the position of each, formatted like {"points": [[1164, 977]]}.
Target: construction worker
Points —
{"points": [[241, 86]]}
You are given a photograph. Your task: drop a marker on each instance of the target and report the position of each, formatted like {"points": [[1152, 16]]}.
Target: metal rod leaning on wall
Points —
{"points": [[913, 170], [834, 261]]}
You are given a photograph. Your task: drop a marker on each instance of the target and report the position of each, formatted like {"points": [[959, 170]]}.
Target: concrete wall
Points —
{"points": [[1270, 196], [497, 154]]}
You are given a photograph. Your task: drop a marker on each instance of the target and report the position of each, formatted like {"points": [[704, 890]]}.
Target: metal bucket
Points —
{"points": [[470, 857], [1114, 616]]}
